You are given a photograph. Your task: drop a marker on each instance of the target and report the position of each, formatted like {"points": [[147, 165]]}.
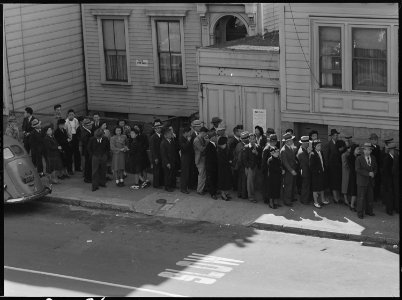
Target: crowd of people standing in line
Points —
{"points": [[210, 161]]}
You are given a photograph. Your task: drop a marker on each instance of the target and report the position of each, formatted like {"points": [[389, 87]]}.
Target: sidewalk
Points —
{"points": [[332, 221]]}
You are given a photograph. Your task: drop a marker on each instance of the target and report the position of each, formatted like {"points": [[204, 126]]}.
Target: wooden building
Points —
{"points": [[43, 61], [339, 68], [141, 59]]}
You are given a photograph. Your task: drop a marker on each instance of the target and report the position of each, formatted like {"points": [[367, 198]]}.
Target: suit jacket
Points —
{"points": [[237, 161], [211, 158], [333, 156], [27, 125], [36, 141], [85, 137], [61, 137], [186, 149], [154, 147], [288, 158], [101, 149], [387, 168], [250, 159], [232, 143], [95, 127], [376, 152], [168, 153], [263, 142], [199, 146], [315, 164], [304, 163], [363, 169]]}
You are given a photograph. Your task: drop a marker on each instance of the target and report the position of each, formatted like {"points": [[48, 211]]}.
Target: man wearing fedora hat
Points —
{"points": [[391, 202], [305, 175], [12, 128], [239, 166], [168, 150], [199, 145], [272, 142], [60, 134], [86, 134], [288, 158], [232, 143], [196, 127], [36, 144], [154, 147], [211, 164], [376, 152], [216, 121], [334, 160], [366, 170]]}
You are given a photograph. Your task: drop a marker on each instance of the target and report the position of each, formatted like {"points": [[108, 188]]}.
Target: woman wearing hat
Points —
{"points": [[352, 186], [274, 169], [317, 169], [288, 158], [224, 170], [12, 128], [60, 134], [118, 146], [54, 164], [334, 170], [345, 173]]}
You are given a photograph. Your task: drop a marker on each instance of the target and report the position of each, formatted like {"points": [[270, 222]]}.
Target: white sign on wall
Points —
{"points": [[141, 62], [260, 118]]}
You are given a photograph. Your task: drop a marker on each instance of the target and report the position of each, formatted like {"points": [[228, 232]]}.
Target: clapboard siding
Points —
{"points": [[297, 77], [45, 56], [271, 16], [142, 93]]}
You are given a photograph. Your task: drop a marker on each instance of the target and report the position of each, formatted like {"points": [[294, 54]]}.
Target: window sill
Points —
{"points": [[170, 86], [115, 83], [351, 91]]}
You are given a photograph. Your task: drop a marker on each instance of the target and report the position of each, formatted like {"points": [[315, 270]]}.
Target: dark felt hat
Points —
{"points": [[273, 137], [287, 136], [333, 131], [157, 123], [203, 129], [222, 140], [216, 120]]}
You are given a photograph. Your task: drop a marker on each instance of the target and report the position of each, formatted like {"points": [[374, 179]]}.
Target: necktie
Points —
{"points": [[99, 141], [368, 161]]}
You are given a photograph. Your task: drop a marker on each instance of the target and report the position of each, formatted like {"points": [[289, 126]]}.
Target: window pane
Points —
{"points": [[176, 69], [163, 36], [164, 68], [119, 36], [108, 35], [174, 36], [369, 64], [330, 57]]}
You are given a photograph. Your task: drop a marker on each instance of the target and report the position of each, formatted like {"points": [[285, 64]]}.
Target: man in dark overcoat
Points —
{"points": [[366, 170], [27, 127], [288, 158], [36, 144], [186, 150], [334, 159], [240, 167], [304, 166], [154, 147], [232, 143], [168, 152], [272, 141], [99, 149], [376, 152], [86, 134], [391, 202], [211, 164]]}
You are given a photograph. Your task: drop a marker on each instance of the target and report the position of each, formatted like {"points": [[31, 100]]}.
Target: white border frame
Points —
{"points": [[110, 16], [154, 19]]}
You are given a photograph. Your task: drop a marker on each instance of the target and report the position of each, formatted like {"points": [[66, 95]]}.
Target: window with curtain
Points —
{"points": [[169, 52], [114, 46], [369, 59], [330, 63]]}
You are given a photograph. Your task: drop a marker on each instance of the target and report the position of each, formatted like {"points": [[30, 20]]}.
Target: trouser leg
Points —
{"points": [[201, 177]]}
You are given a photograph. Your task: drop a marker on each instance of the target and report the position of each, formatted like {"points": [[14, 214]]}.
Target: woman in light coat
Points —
{"points": [[118, 146]]}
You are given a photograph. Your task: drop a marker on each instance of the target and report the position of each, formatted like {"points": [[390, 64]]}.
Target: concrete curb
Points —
{"points": [[260, 226], [326, 234]]}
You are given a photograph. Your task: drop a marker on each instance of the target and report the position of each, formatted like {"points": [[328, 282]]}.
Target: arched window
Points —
{"points": [[229, 28]]}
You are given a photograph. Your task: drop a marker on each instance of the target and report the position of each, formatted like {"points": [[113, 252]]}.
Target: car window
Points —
{"points": [[17, 150], [7, 154]]}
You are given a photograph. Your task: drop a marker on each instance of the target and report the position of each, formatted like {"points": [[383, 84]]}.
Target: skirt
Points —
{"points": [[118, 161], [54, 163]]}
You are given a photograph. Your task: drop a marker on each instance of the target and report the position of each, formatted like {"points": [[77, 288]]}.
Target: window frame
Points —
{"points": [[347, 24], [111, 16], [155, 19]]}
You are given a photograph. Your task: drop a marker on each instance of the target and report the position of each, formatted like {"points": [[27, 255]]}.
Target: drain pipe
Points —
{"points": [[83, 33]]}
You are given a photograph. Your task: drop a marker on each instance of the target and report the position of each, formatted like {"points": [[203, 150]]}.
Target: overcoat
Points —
{"points": [[53, 157], [334, 169], [224, 170], [318, 182]]}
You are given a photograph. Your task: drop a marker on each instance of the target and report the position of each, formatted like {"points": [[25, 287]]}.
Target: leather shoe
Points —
{"points": [[360, 216], [201, 194], [94, 189], [169, 190], [102, 185], [289, 204], [371, 214], [214, 197], [87, 181], [185, 192]]}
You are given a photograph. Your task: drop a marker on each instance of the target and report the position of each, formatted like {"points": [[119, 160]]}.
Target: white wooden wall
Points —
{"points": [[45, 56]]}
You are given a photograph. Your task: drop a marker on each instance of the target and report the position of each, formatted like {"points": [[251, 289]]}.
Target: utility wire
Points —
{"points": [[297, 34]]}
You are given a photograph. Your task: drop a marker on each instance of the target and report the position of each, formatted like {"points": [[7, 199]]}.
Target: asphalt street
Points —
{"points": [[60, 250]]}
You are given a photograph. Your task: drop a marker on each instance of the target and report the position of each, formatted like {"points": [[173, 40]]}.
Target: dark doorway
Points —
{"points": [[229, 28], [305, 128]]}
